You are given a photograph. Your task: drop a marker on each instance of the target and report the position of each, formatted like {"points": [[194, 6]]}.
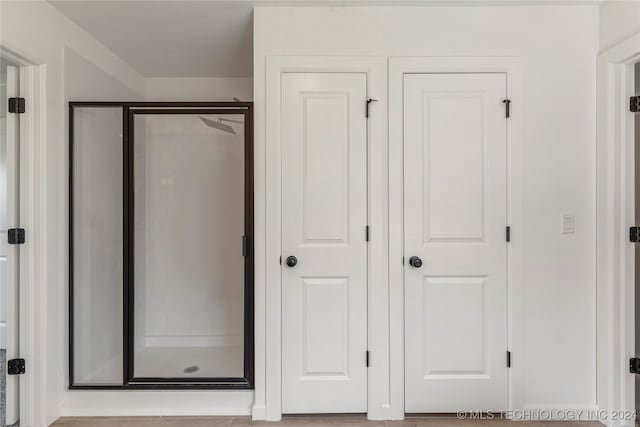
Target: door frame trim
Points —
{"points": [[268, 280], [511, 66], [33, 282], [615, 213]]}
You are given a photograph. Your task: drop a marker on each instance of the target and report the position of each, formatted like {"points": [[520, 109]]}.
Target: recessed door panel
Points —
{"points": [[455, 216], [324, 263], [326, 327], [454, 326], [325, 147], [453, 154]]}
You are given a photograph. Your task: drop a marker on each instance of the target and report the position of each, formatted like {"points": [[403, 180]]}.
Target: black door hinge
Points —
{"points": [[508, 359], [17, 105], [16, 367], [16, 236], [369, 101], [366, 231], [367, 358], [634, 365], [245, 246], [634, 104], [507, 107], [634, 234], [508, 234]]}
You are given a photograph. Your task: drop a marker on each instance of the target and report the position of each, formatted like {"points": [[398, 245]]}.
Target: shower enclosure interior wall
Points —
{"points": [[161, 263]]}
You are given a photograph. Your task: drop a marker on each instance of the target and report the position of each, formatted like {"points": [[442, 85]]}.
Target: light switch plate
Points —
{"points": [[568, 223]]}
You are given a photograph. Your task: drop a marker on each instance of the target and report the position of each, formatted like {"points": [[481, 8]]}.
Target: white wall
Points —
{"points": [[559, 155], [198, 89], [618, 20], [38, 32]]}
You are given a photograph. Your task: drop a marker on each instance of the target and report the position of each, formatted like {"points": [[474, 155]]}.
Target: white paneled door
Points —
{"points": [[324, 249], [455, 219]]}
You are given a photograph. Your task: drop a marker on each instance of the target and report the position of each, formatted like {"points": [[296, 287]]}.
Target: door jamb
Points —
{"points": [[33, 302], [615, 213], [511, 66], [268, 381]]}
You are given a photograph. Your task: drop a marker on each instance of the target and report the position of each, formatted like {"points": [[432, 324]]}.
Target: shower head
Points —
{"points": [[218, 125]]}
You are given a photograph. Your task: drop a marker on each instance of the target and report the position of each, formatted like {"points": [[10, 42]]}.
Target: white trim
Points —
{"points": [[551, 412], [156, 403], [398, 66], [268, 286], [615, 213], [33, 255], [33, 312]]}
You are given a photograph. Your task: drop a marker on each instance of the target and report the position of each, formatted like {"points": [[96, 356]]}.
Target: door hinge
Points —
{"points": [[634, 104], [17, 105], [508, 234], [507, 107], [16, 367], [369, 101], [366, 232], [634, 234], [16, 236], [508, 359], [367, 358], [634, 365], [245, 246], [280, 260]]}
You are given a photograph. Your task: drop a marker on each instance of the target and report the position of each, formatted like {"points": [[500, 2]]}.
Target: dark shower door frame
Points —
{"points": [[129, 111]]}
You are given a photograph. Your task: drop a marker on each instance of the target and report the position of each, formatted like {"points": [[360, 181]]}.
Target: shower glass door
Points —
{"points": [[187, 320], [161, 245]]}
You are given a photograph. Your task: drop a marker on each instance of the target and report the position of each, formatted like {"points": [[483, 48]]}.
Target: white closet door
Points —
{"points": [[324, 214], [455, 217]]}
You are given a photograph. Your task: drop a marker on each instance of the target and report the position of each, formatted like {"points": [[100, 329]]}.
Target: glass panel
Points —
{"points": [[97, 245], [189, 268]]}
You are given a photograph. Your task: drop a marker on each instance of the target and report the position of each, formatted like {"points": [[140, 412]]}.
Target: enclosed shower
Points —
{"points": [[161, 256]]}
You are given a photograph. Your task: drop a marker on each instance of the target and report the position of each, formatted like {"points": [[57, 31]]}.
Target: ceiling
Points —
{"points": [[199, 38], [171, 38]]}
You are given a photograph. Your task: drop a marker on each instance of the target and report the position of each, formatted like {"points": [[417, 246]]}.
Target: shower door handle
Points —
{"points": [[291, 261]]}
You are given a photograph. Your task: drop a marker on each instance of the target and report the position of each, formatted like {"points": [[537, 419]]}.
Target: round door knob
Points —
{"points": [[292, 261], [415, 261]]}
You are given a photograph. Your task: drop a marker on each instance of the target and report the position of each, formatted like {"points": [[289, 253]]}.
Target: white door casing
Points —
{"points": [[324, 215], [9, 254], [455, 218]]}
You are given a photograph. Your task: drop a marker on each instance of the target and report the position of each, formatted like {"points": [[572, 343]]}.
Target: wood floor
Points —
{"points": [[305, 421]]}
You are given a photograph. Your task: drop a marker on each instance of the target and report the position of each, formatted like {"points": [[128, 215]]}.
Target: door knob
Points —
{"points": [[291, 261], [415, 262]]}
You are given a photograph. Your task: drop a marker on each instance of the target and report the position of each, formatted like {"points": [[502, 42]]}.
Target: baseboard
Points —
{"points": [[156, 403], [550, 412], [259, 413]]}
